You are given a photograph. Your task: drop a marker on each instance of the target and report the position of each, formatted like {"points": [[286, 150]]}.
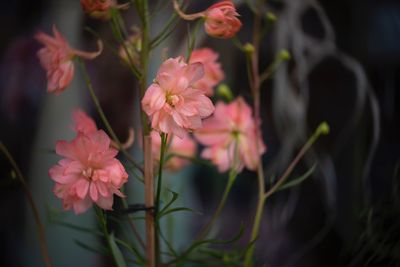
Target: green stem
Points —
{"points": [[160, 169], [36, 216], [103, 116], [144, 60], [118, 29], [322, 129], [103, 224], [221, 205], [158, 196]]}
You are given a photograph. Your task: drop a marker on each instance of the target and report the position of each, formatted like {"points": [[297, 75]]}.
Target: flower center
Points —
{"points": [[171, 99], [88, 173]]}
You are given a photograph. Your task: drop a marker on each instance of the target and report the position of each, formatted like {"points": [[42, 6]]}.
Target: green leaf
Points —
{"points": [[116, 252], [98, 250], [160, 215], [298, 180], [173, 199]]}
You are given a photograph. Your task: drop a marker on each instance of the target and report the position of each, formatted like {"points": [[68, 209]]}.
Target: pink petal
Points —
{"points": [[81, 187], [154, 99], [105, 202], [93, 192]]}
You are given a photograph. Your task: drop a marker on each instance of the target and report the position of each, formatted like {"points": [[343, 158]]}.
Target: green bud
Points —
{"points": [[284, 55], [248, 48], [270, 17], [224, 91], [323, 128]]}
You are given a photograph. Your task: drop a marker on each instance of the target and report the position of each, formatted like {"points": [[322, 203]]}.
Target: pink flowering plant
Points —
{"points": [[187, 116]]}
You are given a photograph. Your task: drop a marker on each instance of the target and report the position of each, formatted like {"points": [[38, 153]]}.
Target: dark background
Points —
{"points": [[347, 214]]}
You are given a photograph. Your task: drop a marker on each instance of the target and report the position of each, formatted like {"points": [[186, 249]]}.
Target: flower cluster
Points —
{"points": [[231, 130], [100, 8], [57, 59], [221, 19], [172, 102], [213, 73], [89, 171]]}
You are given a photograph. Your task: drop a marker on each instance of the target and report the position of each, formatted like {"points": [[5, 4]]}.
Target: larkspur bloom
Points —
{"points": [[221, 19], [172, 103], [100, 8], [231, 128], [185, 146], [213, 73], [56, 57], [89, 171]]}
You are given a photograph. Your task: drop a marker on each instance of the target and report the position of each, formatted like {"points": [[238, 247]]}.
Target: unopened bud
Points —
{"points": [[323, 128], [224, 91], [248, 48], [271, 17], [284, 55]]}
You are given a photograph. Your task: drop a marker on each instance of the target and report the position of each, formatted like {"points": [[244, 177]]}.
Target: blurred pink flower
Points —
{"points": [[185, 146], [56, 58], [221, 20], [213, 73], [100, 8], [172, 103], [89, 171], [83, 123], [232, 126]]}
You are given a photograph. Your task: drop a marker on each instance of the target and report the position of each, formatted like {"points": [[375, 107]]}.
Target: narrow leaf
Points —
{"points": [[298, 180], [116, 252]]}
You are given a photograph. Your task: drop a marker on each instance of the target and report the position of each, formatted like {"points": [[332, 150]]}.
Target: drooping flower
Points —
{"points": [[213, 73], [185, 147], [89, 171], [56, 57], [221, 19], [231, 128], [172, 103], [130, 51], [100, 8]]}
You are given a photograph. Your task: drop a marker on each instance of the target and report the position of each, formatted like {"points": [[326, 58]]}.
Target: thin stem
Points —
{"points": [[103, 116], [143, 11], [158, 195], [255, 85], [118, 30], [149, 202], [296, 160], [103, 224], [221, 205], [160, 169], [133, 226], [39, 225]]}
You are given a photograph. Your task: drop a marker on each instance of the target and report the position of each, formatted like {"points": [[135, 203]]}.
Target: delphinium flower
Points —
{"points": [[221, 19], [171, 101], [100, 8], [56, 57], [231, 129], [89, 171], [185, 147], [213, 73]]}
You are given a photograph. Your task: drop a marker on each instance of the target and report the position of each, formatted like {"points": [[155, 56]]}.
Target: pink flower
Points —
{"points": [[185, 146], [100, 8], [89, 171], [172, 103], [213, 73], [56, 58], [220, 19], [231, 127], [83, 123]]}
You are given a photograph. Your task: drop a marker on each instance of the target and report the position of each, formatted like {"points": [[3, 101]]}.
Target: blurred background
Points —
{"points": [[345, 69]]}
